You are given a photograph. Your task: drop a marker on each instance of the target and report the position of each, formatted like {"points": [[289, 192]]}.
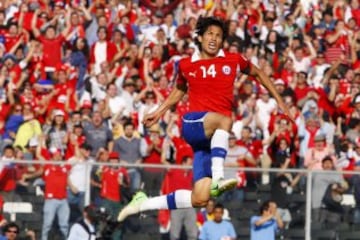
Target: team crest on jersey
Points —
{"points": [[226, 70]]}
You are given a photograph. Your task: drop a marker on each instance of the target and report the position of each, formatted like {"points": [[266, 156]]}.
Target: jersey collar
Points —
{"points": [[196, 55]]}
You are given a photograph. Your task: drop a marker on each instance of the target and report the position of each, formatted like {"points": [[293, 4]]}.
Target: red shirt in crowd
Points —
{"points": [[10, 41], [154, 156], [110, 186], [8, 178], [176, 179], [183, 149], [55, 178], [52, 50], [216, 76], [255, 147]]}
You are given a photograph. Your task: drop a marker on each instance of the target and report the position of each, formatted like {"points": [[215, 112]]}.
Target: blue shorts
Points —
{"points": [[194, 134], [193, 131], [201, 165]]}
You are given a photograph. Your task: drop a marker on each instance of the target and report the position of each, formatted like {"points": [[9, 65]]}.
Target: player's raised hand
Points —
{"points": [[151, 118], [285, 110]]}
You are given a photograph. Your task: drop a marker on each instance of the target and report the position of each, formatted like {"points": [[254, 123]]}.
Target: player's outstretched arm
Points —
{"points": [[175, 96], [266, 82]]}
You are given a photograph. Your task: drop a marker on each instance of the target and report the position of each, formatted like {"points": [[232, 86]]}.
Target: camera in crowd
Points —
{"points": [[104, 222]]}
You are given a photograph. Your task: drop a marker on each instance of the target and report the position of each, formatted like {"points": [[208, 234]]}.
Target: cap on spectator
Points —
{"points": [[263, 90], [59, 112], [54, 151], [33, 142], [59, 3], [279, 81], [114, 155], [159, 14], [9, 56], [320, 137], [61, 67], [155, 128], [86, 104]]}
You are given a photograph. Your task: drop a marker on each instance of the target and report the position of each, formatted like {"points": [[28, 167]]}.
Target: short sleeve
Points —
{"points": [[180, 79], [245, 65]]}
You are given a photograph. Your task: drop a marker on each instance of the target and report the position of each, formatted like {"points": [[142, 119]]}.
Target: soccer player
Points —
{"points": [[208, 76]]}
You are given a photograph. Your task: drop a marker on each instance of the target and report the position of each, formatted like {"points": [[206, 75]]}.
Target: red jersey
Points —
{"points": [[55, 178], [211, 81], [110, 186], [52, 50]]}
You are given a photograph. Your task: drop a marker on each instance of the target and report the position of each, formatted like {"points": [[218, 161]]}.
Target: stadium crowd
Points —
{"points": [[77, 77]]}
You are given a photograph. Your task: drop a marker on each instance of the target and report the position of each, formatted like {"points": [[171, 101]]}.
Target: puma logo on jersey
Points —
{"points": [[192, 74]]}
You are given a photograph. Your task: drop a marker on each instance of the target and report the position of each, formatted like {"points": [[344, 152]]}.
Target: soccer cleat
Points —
{"points": [[133, 207], [220, 186]]}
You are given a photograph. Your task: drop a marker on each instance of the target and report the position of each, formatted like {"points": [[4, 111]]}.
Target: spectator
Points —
{"points": [[76, 137], [101, 51], [151, 147], [314, 156], [116, 103], [236, 157], [79, 178], [58, 137], [128, 147], [12, 232], [97, 134], [84, 228], [51, 42], [8, 175], [151, 96], [281, 189], [79, 59], [102, 157], [320, 183], [206, 214], [217, 228], [112, 179], [265, 226], [15, 119], [56, 204]]}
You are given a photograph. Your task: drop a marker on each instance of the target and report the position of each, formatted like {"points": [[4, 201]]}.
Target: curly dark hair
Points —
{"points": [[204, 23]]}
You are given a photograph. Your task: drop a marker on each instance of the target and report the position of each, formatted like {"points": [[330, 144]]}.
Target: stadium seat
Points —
{"points": [[264, 188], [295, 234], [14, 208], [250, 196], [298, 197], [349, 235], [323, 235], [243, 233]]}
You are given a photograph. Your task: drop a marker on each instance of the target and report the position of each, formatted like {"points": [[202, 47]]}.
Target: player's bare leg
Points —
{"points": [[176, 200], [217, 127]]}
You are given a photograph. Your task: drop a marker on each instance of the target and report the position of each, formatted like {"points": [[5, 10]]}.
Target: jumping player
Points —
{"points": [[208, 76]]}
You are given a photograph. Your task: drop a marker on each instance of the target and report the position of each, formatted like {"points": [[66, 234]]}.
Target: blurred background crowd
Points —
{"points": [[77, 76]]}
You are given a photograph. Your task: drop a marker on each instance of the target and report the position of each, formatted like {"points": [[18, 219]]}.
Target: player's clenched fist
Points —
{"points": [[151, 118]]}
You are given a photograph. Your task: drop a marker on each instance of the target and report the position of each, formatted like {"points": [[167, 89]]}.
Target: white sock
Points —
{"points": [[219, 148], [177, 199]]}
